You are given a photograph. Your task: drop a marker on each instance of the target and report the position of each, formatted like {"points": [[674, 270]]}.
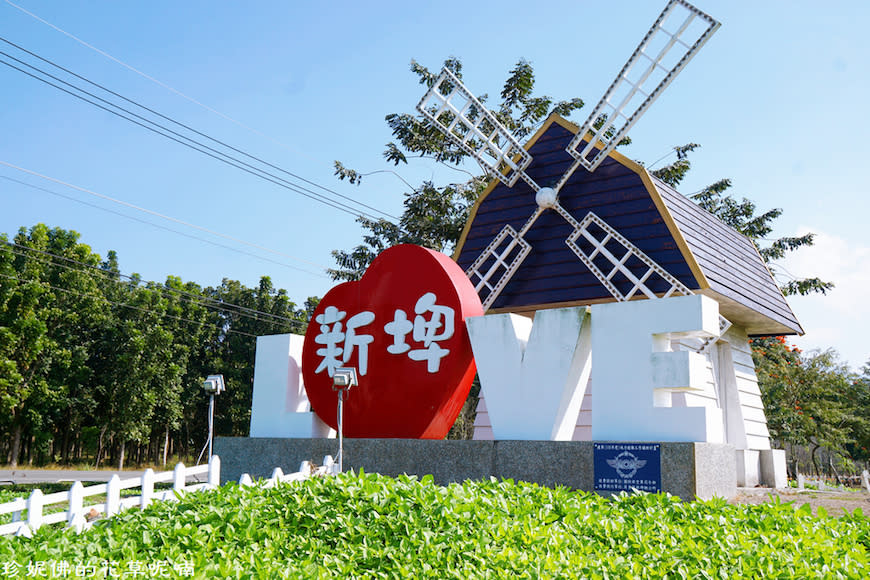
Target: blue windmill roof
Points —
{"points": [[691, 244]]}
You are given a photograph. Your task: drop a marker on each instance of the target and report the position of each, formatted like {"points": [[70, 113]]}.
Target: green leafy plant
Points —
{"points": [[371, 526]]}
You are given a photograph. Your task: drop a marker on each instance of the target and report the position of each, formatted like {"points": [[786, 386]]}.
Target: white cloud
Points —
{"points": [[841, 318]]}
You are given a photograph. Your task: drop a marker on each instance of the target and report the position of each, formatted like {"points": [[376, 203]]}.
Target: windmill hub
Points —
{"points": [[546, 198]]}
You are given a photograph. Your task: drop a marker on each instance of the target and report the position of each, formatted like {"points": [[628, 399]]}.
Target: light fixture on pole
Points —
{"points": [[343, 379], [213, 385]]}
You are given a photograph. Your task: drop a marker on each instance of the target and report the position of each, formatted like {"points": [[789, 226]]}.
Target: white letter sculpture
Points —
{"points": [[533, 377], [636, 373], [280, 405]]}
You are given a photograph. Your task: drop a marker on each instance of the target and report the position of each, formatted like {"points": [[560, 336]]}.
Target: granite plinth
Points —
{"points": [[689, 470]]}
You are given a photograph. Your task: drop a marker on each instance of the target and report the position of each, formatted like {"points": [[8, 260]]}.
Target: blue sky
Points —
{"points": [[777, 99]]}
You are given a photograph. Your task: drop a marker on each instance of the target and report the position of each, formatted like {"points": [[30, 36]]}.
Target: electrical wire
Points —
{"points": [[183, 140], [192, 298], [662, 158], [180, 233], [201, 134], [168, 291], [300, 189], [160, 83], [154, 213], [280, 323], [124, 305]]}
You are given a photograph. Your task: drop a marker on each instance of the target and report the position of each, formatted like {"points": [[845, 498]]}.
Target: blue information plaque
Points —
{"points": [[627, 466]]}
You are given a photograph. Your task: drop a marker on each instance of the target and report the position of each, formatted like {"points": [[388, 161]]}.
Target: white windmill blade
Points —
{"points": [[500, 260], [678, 33], [602, 248], [497, 264], [454, 111]]}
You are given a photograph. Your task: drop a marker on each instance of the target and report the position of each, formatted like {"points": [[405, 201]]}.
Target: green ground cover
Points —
{"points": [[371, 526]]}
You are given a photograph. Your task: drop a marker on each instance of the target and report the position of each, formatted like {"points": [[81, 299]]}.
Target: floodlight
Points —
{"points": [[214, 384], [344, 378]]}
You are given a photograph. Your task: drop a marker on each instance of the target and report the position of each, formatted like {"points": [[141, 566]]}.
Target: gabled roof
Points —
{"points": [[705, 255]]}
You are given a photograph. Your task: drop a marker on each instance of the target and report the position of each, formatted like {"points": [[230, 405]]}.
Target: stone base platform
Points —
{"points": [[688, 470]]}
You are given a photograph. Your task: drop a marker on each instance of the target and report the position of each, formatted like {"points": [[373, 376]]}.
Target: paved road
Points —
{"points": [[10, 476]]}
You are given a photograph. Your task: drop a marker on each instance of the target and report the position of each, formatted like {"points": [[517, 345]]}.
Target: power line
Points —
{"points": [[180, 233], [233, 162], [124, 305], [200, 300], [183, 140], [110, 276], [654, 163], [299, 189], [154, 213], [201, 134], [160, 83]]}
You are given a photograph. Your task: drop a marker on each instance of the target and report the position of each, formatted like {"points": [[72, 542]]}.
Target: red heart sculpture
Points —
{"points": [[404, 323]]}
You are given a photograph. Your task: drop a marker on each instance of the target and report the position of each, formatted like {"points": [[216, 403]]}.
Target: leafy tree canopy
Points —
{"points": [[435, 215], [91, 364], [813, 400]]}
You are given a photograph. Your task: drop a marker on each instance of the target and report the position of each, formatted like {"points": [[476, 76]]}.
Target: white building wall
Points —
{"points": [[280, 406], [751, 409]]}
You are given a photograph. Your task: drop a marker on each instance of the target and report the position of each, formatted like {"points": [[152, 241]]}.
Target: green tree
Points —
{"points": [[24, 342], [81, 310], [258, 311], [88, 360], [859, 425], [47, 315], [810, 399], [191, 325], [124, 364], [434, 216]]}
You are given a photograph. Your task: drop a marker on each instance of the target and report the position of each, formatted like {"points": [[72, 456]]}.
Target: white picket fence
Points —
{"points": [[80, 515], [819, 484], [306, 470]]}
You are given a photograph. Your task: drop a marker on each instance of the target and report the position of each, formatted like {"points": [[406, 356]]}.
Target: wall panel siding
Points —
{"points": [[729, 260], [752, 407]]}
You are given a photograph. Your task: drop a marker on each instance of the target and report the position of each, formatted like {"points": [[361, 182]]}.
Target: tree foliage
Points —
{"points": [[435, 215], [96, 366], [813, 400], [741, 215]]}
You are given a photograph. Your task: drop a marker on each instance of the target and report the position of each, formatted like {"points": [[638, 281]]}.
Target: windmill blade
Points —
{"points": [[497, 264], [603, 249], [454, 111], [678, 33], [500, 260]]}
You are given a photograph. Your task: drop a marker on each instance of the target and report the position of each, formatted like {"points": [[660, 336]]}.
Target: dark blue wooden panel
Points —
{"points": [[552, 273], [618, 195]]}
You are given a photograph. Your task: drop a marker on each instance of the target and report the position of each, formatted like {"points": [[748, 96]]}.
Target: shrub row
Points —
{"points": [[371, 526]]}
